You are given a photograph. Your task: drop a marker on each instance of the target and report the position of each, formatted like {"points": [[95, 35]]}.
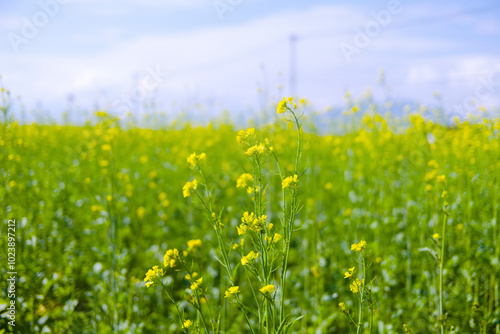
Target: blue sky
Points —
{"points": [[103, 52]]}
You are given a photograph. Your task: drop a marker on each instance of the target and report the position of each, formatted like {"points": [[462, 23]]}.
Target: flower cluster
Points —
{"points": [[268, 289], [194, 244], [283, 105], [290, 181], [189, 187], [195, 160], [196, 285], [249, 258], [348, 273], [252, 223], [359, 247], [245, 181], [355, 285], [275, 238], [153, 273], [170, 257], [232, 291], [244, 136], [186, 324], [256, 150]]}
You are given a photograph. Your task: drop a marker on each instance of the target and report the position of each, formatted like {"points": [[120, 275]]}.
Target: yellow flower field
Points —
{"points": [[390, 227]]}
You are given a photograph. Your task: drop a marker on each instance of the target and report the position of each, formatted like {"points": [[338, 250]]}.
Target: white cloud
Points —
{"points": [[224, 62]]}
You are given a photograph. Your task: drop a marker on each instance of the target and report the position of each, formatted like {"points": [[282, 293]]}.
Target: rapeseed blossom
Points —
{"points": [[171, 256], [196, 285], [245, 135], [232, 291], [244, 181], [186, 324], [249, 258], [267, 289], [189, 187], [342, 306], [256, 150], [355, 285], [152, 274], [289, 181], [358, 247], [283, 105], [348, 273], [195, 160]]}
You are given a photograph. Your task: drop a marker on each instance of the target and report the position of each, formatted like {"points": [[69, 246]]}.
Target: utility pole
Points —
{"points": [[293, 66]]}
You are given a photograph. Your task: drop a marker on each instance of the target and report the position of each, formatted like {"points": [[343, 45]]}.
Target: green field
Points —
{"points": [[96, 206]]}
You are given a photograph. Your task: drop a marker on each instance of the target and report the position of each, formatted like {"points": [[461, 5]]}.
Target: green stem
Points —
{"points": [[288, 225], [441, 271], [361, 301]]}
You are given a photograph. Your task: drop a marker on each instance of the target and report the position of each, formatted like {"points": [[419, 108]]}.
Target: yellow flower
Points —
{"points": [[431, 175], [140, 212], [101, 114], [189, 187], [232, 291], [348, 273], [194, 159], [342, 306], [241, 229], [441, 178], [106, 147], [152, 274], [192, 244], [355, 285], [249, 257], [191, 277], [258, 224], [170, 257], [277, 237], [436, 236], [289, 181], [248, 218], [256, 150], [359, 247], [267, 289], [187, 323], [281, 107], [245, 135], [433, 164], [244, 181], [196, 285]]}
